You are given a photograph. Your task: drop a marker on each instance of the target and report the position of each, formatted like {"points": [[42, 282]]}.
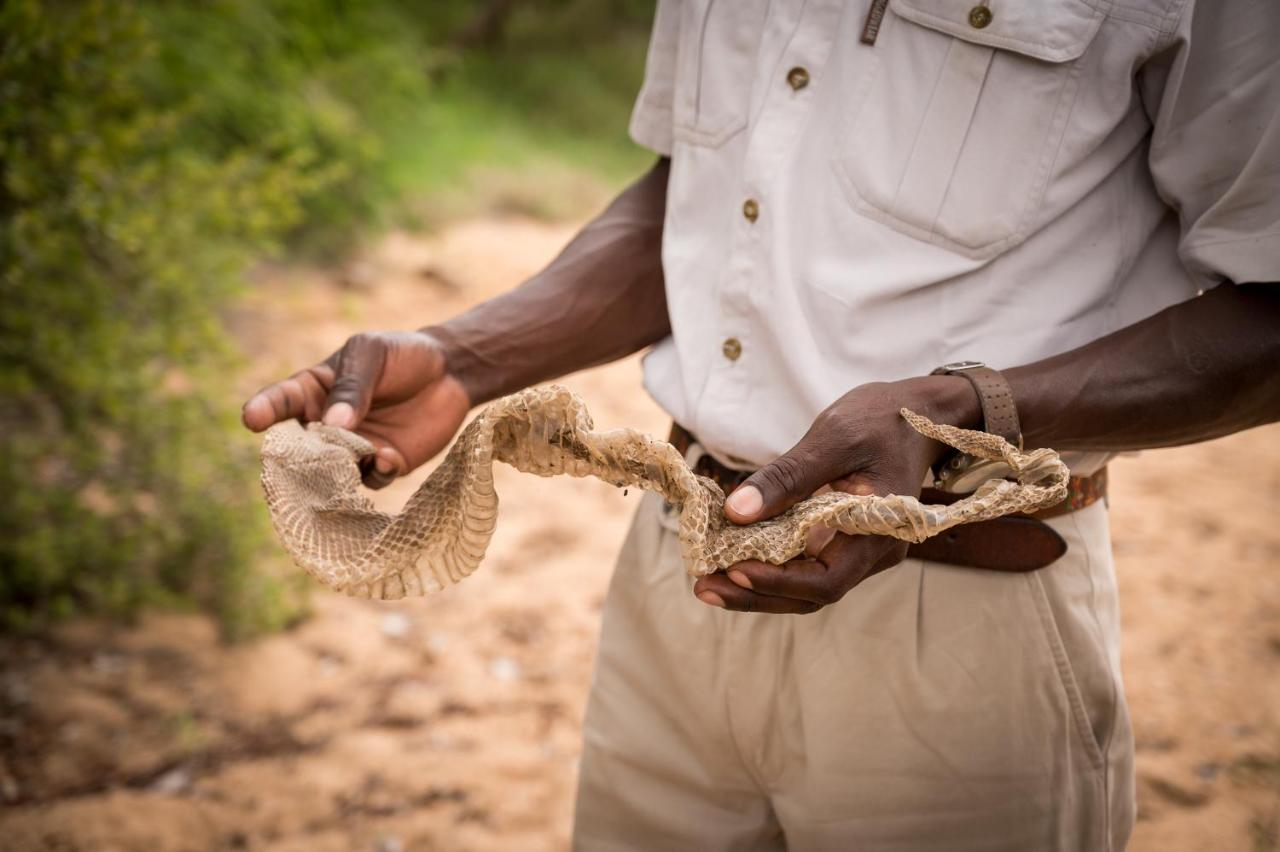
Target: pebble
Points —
{"points": [[504, 669], [108, 663], [395, 625], [9, 789], [1207, 771], [390, 843], [172, 783]]}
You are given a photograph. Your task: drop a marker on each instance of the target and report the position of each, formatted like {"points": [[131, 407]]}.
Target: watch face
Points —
{"points": [[962, 365]]}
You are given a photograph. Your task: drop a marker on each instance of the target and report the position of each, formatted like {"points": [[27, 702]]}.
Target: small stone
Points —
{"points": [[360, 275], [395, 625], [504, 669], [17, 692], [172, 783], [1178, 794], [108, 663], [9, 790]]}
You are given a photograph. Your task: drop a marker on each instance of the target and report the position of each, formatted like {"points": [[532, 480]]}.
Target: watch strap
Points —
{"points": [[999, 414]]}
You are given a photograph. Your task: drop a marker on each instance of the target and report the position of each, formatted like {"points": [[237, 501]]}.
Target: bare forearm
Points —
{"points": [[602, 298], [1198, 370]]}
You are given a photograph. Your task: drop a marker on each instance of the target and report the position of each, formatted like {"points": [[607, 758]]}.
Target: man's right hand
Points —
{"points": [[602, 298], [393, 388]]}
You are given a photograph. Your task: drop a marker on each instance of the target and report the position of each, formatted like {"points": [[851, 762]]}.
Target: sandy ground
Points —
{"points": [[451, 723]]}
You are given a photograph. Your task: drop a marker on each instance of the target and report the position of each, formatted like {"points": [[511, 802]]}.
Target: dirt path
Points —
{"points": [[451, 723]]}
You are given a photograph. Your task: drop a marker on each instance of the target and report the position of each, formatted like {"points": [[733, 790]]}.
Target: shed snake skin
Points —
{"points": [[312, 482]]}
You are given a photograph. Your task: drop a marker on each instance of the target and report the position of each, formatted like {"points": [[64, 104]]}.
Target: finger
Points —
{"points": [[382, 468], [861, 556], [800, 579], [787, 480], [298, 396], [859, 483], [257, 414], [894, 554], [359, 364], [717, 590], [841, 565]]}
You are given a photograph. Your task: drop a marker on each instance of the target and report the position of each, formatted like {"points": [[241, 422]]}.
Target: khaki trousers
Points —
{"points": [[934, 708]]}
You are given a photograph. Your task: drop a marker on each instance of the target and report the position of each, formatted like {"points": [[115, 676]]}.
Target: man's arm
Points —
{"points": [[1198, 370], [602, 298]]}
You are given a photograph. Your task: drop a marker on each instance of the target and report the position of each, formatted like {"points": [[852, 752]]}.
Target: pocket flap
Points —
{"points": [[1052, 30]]}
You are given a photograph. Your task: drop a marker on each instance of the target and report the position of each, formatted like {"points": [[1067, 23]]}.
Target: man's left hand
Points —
{"points": [[859, 445]]}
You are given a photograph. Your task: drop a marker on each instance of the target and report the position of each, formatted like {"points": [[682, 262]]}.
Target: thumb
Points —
{"points": [[780, 484], [359, 364]]}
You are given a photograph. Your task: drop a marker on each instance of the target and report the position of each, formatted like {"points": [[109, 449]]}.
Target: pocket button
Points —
{"points": [[751, 209], [797, 78], [979, 17]]}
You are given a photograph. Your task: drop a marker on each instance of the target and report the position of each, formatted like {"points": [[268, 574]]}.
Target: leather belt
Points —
{"points": [[1012, 543]]}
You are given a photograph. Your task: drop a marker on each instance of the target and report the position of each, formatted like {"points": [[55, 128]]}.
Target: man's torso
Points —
{"points": [[841, 212]]}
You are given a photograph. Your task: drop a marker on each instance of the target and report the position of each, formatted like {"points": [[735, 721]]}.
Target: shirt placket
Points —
{"points": [[795, 44]]}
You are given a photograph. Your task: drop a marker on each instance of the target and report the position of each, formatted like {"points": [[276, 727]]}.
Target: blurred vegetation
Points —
{"points": [[149, 153]]}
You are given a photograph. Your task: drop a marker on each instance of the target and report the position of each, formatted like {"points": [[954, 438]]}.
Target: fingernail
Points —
{"points": [[741, 579], [253, 408], [711, 599], [340, 414], [746, 501], [383, 465]]}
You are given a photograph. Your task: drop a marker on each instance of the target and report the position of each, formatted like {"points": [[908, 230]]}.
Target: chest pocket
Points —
{"points": [[951, 137], [715, 64]]}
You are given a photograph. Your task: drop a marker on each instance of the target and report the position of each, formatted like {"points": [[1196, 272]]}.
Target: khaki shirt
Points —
{"points": [[999, 184]]}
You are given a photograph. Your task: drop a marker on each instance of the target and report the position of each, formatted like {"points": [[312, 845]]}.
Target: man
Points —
{"points": [[849, 195]]}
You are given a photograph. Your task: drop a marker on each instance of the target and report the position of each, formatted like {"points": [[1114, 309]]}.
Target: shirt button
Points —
{"points": [[751, 209], [797, 78], [732, 348], [979, 17]]}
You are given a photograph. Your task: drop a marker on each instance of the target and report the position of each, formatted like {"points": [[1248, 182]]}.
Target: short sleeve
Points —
{"points": [[651, 119], [1214, 96]]}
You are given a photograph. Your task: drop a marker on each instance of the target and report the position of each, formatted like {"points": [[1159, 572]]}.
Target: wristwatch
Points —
{"points": [[961, 472]]}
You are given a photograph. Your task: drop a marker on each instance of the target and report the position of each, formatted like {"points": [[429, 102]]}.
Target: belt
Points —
{"points": [[1021, 542]]}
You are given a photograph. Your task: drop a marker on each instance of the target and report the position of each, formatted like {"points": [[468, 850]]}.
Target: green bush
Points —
{"points": [[119, 239], [320, 83], [149, 152]]}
